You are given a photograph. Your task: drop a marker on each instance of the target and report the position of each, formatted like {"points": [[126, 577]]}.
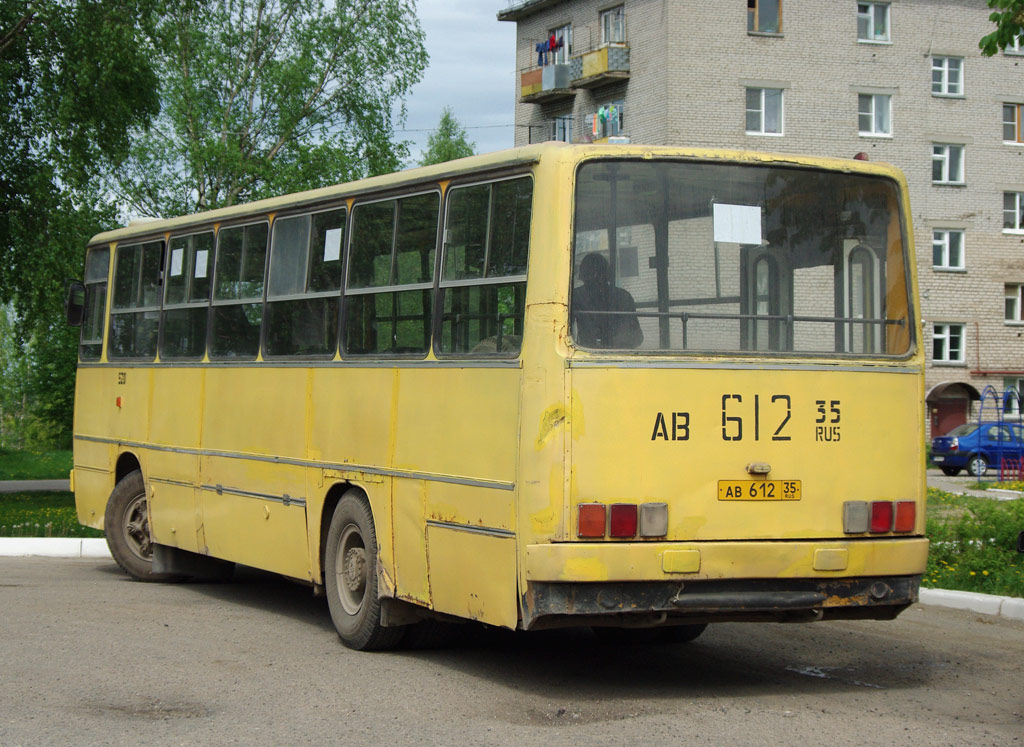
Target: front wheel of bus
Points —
{"points": [[350, 575], [126, 524]]}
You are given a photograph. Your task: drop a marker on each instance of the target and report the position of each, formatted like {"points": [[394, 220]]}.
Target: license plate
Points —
{"points": [[938, 459], [759, 490]]}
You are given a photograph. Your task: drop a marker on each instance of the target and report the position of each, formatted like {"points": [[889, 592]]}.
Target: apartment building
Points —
{"points": [[900, 81]]}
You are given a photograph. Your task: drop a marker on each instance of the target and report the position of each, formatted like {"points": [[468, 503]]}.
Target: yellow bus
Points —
{"points": [[619, 386]]}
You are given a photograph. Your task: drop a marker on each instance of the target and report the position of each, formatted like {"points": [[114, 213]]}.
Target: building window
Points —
{"points": [[1013, 211], [764, 16], [947, 249], [873, 22], [1014, 47], [561, 129], [875, 114], [563, 44], [947, 76], [947, 164], [1012, 302], [608, 121], [764, 111], [1013, 390], [1011, 123], [613, 26], [948, 343]]}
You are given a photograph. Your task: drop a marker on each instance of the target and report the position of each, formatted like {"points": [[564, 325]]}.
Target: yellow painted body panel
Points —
{"points": [[473, 472], [476, 560], [635, 561], [620, 452]]}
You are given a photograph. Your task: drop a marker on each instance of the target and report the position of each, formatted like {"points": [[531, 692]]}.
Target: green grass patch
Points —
{"points": [[973, 544], [41, 515], [34, 465]]}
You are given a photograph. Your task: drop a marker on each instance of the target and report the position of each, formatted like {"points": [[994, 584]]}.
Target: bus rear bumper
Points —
{"points": [[644, 584], [648, 604]]}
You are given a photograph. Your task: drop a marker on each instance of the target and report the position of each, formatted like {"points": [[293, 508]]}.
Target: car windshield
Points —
{"points": [[963, 430], [726, 257]]}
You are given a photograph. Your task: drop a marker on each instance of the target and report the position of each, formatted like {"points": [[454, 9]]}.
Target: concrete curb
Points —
{"points": [[65, 547], [986, 604], [53, 547]]}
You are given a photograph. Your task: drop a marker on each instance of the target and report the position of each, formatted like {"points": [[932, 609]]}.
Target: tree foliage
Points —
{"points": [[263, 97], [448, 141], [74, 77], [1009, 20]]}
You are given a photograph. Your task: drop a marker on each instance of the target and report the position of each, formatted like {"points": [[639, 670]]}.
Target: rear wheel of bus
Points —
{"points": [[350, 577], [126, 525]]}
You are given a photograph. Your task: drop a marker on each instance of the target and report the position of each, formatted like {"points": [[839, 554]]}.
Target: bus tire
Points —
{"points": [[126, 525], [350, 577]]}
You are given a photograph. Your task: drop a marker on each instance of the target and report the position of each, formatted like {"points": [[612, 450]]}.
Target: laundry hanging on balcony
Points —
{"points": [[549, 46]]}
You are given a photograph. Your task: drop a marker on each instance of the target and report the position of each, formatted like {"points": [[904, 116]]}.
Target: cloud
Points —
{"points": [[471, 70]]}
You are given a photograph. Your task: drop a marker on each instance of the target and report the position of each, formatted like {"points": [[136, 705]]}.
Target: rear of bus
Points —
{"points": [[743, 396]]}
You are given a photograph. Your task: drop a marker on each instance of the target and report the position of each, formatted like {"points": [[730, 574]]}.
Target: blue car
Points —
{"points": [[974, 447]]}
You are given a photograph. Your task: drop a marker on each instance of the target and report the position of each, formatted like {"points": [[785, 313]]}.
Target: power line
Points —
{"points": [[472, 127]]}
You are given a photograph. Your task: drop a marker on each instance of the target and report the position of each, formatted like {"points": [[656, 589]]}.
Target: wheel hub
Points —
{"points": [[355, 569]]}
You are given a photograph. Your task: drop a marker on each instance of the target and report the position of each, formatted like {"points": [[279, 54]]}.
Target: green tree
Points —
{"points": [[75, 76], [447, 142], [263, 97], [1009, 20]]}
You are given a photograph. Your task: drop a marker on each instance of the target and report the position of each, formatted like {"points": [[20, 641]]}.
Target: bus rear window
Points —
{"points": [[718, 257]]}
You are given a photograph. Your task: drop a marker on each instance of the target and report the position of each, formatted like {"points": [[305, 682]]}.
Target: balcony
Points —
{"points": [[601, 66], [545, 84]]}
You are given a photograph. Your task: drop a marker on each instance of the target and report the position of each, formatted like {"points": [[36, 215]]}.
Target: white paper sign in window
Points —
{"points": [[202, 256], [176, 257], [737, 224], [332, 245]]}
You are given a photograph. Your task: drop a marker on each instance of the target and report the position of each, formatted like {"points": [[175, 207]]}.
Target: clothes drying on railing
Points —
{"points": [[549, 46]]}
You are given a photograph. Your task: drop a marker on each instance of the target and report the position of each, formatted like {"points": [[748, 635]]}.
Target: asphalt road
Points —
{"points": [[89, 657]]}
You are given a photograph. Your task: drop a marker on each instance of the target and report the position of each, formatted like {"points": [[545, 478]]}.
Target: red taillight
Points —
{"points": [[623, 523], [881, 516], [955, 445], [591, 520], [906, 516]]}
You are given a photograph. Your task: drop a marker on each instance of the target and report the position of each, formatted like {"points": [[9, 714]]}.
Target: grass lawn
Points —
{"points": [[34, 465], [41, 515], [974, 544]]}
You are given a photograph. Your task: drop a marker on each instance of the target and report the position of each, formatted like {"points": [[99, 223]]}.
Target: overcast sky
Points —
{"points": [[471, 69]]}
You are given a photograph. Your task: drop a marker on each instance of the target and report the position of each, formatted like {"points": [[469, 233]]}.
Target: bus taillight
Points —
{"points": [[906, 516], [591, 520], [623, 520], [881, 517]]}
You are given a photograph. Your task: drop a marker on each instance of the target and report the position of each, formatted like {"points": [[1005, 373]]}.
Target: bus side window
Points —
{"points": [[305, 277], [237, 309], [135, 310], [186, 297], [391, 276], [483, 278], [97, 266]]}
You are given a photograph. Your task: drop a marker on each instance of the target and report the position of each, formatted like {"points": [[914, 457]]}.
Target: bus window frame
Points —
{"points": [[164, 306], [906, 238], [240, 223], [104, 283], [473, 181], [395, 196], [111, 312], [308, 212]]}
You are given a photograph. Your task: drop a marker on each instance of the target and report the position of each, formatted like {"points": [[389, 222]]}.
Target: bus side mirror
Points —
{"points": [[74, 303]]}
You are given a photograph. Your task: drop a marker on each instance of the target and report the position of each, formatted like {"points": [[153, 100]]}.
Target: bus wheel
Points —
{"points": [[350, 575], [126, 524]]}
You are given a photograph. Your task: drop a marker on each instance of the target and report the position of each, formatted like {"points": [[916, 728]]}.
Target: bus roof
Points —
{"points": [[496, 160]]}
